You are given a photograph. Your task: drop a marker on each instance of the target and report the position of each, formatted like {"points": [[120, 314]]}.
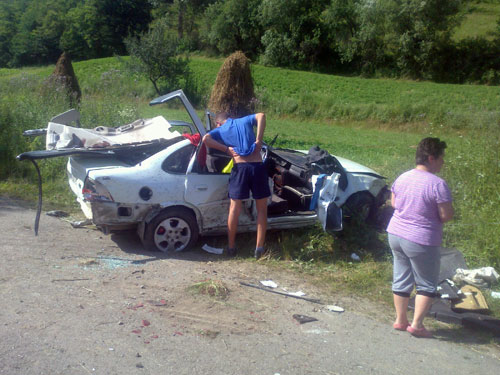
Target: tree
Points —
{"points": [[294, 36], [341, 21], [421, 29], [358, 30], [96, 28], [39, 27], [234, 25], [121, 19], [183, 16], [155, 54], [85, 35], [7, 31], [409, 36], [36, 32]]}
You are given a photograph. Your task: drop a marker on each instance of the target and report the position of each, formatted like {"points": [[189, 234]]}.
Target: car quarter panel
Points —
{"points": [[136, 190], [125, 184]]}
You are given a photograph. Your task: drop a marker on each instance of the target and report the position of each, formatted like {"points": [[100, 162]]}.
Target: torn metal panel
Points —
{"points": [[111, 213], [61, 136], [85, 207]]}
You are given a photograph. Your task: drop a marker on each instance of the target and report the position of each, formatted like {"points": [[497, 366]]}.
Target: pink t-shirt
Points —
{"points": [[416, 217]]}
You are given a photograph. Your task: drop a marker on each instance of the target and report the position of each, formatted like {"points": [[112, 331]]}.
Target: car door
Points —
{"points": [[324, 197], [208, 192]]}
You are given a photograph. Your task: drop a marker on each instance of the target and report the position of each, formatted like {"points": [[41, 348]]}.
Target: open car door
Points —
{"points": [[207, 189], [323, 201]]}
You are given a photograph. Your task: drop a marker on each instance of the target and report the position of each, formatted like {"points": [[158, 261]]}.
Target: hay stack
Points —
{"points": [[64, 76], [233, 90]]}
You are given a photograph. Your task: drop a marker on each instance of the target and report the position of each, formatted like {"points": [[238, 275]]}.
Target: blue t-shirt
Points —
{"points": [[237, 133]]}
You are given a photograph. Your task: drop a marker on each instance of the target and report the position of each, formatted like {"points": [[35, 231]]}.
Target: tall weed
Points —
{"points": [[473, 172], [29, 102], [25, 105]]}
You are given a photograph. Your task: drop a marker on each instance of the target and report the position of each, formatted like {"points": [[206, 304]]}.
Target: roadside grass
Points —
{"points": [[376, 122], [55, 192]]}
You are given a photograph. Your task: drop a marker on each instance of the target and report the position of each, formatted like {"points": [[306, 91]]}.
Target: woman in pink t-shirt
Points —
{"points": [[422, 203]]}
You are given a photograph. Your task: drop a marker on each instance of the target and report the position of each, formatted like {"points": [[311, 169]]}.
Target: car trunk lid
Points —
{"points": [[78, 168]]}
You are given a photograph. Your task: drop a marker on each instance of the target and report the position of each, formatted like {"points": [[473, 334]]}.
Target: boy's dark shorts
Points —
{"points": [[246, 177]]}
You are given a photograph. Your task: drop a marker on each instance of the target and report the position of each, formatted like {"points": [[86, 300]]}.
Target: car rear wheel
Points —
{"points": [[171, 230]]}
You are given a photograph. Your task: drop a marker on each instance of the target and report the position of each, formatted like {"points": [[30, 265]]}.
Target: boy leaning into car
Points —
{"points": [[237, 138]]}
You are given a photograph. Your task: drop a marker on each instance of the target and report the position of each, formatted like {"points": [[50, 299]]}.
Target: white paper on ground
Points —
{"points": [[335, 308], [269, 283], [213, 250], [300, 293]]}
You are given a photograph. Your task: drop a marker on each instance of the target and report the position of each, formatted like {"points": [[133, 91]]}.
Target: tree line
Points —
{"points": [[398, 38]]}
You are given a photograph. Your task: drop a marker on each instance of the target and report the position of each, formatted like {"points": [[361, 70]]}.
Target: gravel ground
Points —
{"points": [[75, 301]]}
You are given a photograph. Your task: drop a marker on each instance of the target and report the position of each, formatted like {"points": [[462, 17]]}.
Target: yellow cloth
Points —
{"points": [[228, 167]]}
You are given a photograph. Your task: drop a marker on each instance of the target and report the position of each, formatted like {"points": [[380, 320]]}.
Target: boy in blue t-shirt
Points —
{"points": [[237, 137]]}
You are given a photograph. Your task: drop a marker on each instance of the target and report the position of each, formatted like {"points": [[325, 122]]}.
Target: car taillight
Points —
{"points": [[94, 191]]}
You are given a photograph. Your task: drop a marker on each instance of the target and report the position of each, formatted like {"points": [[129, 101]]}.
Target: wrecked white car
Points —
{"points": [[149, 176]]}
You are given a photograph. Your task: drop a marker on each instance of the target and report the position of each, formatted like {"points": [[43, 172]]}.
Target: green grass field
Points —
{"points": [[376, 122], [289, 93], [480, 20]]}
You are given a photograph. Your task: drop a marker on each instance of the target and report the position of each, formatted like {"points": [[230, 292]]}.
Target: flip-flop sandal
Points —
{"points": [[419, 332], [400, 327], [259, 252]]}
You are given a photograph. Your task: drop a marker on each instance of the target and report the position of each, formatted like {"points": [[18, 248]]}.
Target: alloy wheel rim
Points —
{"points": [[172, 234]]}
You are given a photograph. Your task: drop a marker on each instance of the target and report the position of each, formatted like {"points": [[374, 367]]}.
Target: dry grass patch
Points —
{"points": [[233, 91], [211, 288]]}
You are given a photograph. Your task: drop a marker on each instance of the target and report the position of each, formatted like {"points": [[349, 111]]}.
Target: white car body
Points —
{"points": [[168, 191]]}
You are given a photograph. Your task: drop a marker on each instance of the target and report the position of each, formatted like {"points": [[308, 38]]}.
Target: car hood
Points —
{"points": [[353, 167], [349, 165]]}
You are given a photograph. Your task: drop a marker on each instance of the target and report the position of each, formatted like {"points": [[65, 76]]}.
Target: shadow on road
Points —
{"points": [[463, 335], [129, 242]]}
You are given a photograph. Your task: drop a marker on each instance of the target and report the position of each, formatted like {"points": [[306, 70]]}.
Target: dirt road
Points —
{"points": [[75, 301]]}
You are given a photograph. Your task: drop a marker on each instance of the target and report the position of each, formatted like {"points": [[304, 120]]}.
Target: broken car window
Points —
{"points": [[179, 160]]}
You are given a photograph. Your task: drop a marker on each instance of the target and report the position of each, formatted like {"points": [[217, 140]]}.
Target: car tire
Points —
{"points": [[360, 207], [172, 230]]}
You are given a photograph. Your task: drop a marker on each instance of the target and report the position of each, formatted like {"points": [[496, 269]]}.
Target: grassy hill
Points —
{"points": [[480, 19]]}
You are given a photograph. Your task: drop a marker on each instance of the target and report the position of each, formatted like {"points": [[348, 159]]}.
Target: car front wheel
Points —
{"points": [[171, 230], [361, 207]]}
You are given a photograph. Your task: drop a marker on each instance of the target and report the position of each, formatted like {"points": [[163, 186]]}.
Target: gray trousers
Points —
{"points": [[414, 265]]}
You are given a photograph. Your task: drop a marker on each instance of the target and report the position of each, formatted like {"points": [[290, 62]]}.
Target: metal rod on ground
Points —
{"points": [[313, 300]]}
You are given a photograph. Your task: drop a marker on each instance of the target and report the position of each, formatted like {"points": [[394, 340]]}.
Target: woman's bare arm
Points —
{"points": [[446, 211]]}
